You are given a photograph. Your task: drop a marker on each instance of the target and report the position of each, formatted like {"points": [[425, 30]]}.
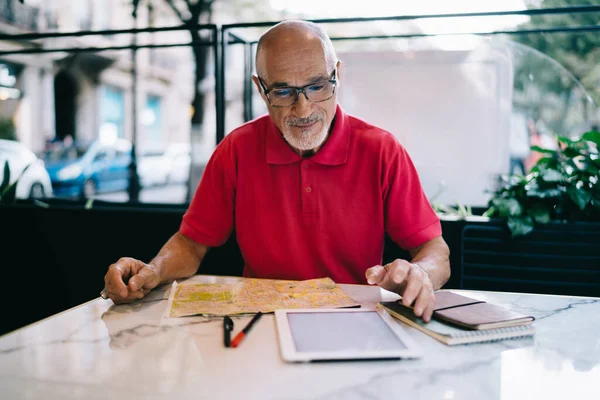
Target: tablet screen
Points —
{"points": [[359, 331]]}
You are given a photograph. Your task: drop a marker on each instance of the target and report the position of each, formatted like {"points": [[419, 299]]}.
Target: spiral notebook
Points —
{"points": [[451, 334]]}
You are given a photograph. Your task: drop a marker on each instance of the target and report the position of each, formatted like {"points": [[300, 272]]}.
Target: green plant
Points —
{"points": [[7, 129], [8, 190], [563, 185], [459, 211]]}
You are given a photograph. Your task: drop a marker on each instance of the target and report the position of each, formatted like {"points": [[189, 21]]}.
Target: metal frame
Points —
{"points": [[223, 37], [230, 38], [214, 43]]}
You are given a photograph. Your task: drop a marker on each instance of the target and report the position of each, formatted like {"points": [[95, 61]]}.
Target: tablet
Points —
{"points": [[342, 334]]}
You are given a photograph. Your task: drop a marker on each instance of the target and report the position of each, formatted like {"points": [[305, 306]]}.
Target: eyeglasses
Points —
{"points": [[285, 96]]}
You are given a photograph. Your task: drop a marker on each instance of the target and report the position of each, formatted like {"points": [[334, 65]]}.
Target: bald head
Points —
{"points": [[296, 58], [293, 39]]}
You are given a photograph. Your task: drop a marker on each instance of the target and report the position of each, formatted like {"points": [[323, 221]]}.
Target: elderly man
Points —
{"points": [[309, 190]]}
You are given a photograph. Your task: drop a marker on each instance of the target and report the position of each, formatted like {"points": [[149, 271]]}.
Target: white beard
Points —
{"points": [[306, 140]]}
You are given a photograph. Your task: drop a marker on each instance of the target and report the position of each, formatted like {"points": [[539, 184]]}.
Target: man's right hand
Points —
{"points": [[129, 279]]}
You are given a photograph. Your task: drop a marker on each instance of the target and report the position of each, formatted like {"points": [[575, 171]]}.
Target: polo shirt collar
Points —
{"points": [[334, 151]]}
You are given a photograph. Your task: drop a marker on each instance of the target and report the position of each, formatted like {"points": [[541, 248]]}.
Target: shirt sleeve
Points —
{"points": [[209, 219], [409, 218]]}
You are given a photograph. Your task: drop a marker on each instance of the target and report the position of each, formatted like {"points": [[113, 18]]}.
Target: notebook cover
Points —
{"points": [[482, 316], [445, 299]]}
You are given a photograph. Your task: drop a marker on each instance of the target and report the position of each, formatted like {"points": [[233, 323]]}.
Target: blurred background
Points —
{"points": [[107, 114]]}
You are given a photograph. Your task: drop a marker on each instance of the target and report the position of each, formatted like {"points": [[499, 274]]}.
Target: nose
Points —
{"points": [[302, 107]]}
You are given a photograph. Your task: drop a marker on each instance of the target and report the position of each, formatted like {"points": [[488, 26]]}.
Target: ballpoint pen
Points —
{"points": [[227, 328], [241, 335]]}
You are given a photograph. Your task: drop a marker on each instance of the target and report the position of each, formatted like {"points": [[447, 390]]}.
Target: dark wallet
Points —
{"points": [[474, 314]]}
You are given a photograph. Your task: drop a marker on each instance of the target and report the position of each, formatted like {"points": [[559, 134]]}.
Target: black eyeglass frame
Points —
{"points": [[298, 90]]}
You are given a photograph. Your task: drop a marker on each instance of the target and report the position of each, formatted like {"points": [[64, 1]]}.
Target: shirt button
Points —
{"points": [[308, 189], [305, 165]]}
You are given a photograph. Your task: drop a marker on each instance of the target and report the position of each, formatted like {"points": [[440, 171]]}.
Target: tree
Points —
{"points": [[192, 14], [578, 52]]}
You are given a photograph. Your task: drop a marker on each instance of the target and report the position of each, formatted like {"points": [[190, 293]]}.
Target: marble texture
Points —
{"points": [[102, 351]]}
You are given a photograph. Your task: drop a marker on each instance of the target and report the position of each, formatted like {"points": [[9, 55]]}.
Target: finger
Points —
{"points": [[137, 294], [145, 279], [413, 288], [131, 296], [375, 274], [115, 278], [428, 313], [398, 272], [119, 298], [137, 282], [422, 301], [137, 266], [394, 280]]}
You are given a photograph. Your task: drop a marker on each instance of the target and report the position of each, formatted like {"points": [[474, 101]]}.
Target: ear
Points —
{"points": [[338, 68], [257, 84]]}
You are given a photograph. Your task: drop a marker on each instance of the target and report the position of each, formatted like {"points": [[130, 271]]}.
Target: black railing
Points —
{"points": [[230, 38], [224, 36]]}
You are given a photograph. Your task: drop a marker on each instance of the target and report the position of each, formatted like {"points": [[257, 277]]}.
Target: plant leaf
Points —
{"points": [[566, 140], [572, 152], [10, 194], [508, 207], [539, 213], [5, 179], [542, 150], [490, 212], [41, 203], [463, 211], [534, 190], [592, 136], [579, 196], [520, 226], [551, 175]]}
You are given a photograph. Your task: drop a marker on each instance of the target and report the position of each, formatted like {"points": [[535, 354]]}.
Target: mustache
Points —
{"points": [[304, 121]]}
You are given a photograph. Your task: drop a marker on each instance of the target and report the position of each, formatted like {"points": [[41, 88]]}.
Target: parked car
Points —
{"points": [[35, 181], [153, 168], [84, 169], [180, 158], [159, 167]]}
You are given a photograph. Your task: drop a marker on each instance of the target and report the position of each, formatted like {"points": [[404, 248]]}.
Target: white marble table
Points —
{"points": [[101, 351]]}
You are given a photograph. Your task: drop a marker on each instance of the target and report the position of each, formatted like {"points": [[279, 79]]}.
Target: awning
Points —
{"points": [[91, 64]]}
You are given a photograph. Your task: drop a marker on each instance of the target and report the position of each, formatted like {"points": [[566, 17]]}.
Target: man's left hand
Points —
{"points": [[408, 280]]}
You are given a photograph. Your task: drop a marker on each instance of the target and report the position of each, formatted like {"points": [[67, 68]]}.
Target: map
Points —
{"points": [[253, 295]]}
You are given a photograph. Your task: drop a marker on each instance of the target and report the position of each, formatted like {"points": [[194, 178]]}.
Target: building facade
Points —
{"points": [[84, 95]]}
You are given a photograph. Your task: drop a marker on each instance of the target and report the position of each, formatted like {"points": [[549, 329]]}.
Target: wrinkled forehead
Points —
{"points": [[294, 63]]}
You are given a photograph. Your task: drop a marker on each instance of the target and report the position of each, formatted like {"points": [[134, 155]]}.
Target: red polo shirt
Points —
{"points": [[303, 218]]}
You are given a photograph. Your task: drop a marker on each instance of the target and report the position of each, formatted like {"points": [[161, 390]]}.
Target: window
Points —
{"points": [[113, 106], [151, 119]]}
